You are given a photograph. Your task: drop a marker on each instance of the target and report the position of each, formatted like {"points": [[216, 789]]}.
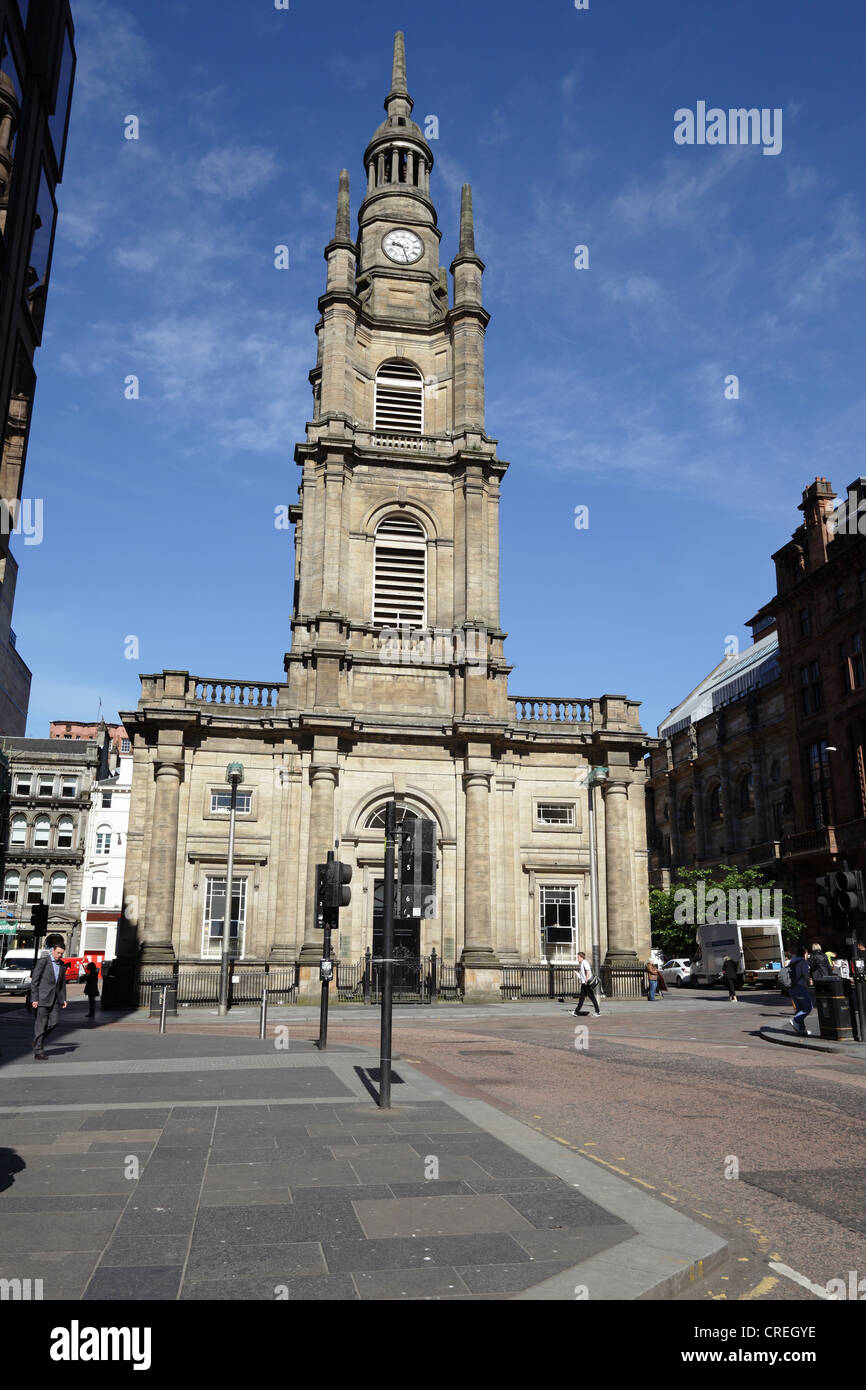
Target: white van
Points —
{"points": [[15, 970], [755, 946]]}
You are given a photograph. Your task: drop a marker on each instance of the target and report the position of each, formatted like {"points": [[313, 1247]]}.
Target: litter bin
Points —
{"points": [[834, 1011], [156, 999]]}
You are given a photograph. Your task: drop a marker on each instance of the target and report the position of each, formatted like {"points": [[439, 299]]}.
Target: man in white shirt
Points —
{"points": [[585, 973]]}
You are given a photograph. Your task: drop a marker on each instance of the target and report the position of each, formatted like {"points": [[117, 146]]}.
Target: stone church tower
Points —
{"points": [[396, 680]]}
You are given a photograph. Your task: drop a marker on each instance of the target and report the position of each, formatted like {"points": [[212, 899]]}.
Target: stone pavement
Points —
{"points": [[195, 1167]]}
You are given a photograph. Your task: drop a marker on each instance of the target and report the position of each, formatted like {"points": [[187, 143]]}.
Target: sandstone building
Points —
{"points": [[396, 681]]}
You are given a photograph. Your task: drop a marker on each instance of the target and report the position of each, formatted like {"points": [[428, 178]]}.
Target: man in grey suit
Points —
{"points": [[48, 994]]}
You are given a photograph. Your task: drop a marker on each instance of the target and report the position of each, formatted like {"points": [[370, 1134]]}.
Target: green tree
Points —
{"points": [[673, 924]]}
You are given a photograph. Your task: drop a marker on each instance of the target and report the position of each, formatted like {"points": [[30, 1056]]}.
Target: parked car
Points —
{"points": [[677, 971]]}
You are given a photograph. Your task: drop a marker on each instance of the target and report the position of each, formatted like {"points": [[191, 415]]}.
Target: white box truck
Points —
{"points": [[16, 969], [755, 945]]}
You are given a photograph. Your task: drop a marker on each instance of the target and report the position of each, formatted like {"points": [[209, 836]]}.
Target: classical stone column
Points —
{"points": [[323, 780], [156, 932], [617, 853], [481, 967]]}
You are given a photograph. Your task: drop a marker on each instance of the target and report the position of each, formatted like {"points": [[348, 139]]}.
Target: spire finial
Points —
{"points": [[343, 231], [398, 70], [467, 226]]}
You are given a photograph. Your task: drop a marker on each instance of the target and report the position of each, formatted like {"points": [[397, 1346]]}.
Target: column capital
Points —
{"points": [[324, 772], [473, 779], [615, 784], [166, 768]]}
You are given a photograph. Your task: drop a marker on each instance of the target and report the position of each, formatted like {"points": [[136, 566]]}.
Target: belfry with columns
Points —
{"points": [[396, 681]]}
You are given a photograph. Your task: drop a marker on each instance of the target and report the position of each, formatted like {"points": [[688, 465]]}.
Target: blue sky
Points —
{"points": [[605, 386]]}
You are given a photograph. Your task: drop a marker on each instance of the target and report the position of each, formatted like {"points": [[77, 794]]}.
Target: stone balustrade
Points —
{"points": [[532, 709], [238, 694]]}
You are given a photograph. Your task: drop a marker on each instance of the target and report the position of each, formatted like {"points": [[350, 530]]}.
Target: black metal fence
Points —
{"points": [[540, 982], [415, 979], [198, 984], [624, 982]]}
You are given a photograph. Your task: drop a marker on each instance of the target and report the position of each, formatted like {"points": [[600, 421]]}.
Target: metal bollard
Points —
{"points": [[163, 1008], [263, 1015]]}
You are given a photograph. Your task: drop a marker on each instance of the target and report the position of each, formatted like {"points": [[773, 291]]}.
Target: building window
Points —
{"points": [[400, 573], [558, 922], [69, 790], [221, 802], [856, 671], [747, 799], [716, 803], [103, 839], [124, 745], [106, 800], [11, 885], [778, 813], [64, 833], [35, 886], [555, 813], [376, 821], [818, 778], [215, 912], [399, 404], [689, 813], [23, 785], [42, 833], [97, 894], [19, 830], [46, 786], [775, 772], [811, 698], [58, 889], [805, 622]]}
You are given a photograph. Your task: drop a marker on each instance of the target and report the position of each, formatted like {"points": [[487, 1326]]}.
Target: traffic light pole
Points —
{"points": [[387, 957], [329, 921]]}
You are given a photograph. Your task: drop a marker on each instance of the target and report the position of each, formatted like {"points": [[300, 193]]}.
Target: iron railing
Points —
{"points": [[199, 984], [540, 981]]}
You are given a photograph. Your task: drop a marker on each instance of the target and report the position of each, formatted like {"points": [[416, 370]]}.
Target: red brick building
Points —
{"points": [[820, 612]]}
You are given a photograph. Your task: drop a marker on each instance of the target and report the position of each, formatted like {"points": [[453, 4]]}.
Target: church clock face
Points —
{"points": [[402, 246]]}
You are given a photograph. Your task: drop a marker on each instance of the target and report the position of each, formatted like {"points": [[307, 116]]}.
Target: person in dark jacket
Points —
{"points": [[47, 994], [91, 987], [799, 992], [819, 965], [729, 971]]}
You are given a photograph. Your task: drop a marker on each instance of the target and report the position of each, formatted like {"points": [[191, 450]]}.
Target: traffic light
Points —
{"points": [[847, 896], [417, 873], [39, 918], [825, 889], [321, 873], [337, 878]]}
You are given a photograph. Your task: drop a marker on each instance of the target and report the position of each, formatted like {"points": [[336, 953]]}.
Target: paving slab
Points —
{"points": [[269, 1176]]}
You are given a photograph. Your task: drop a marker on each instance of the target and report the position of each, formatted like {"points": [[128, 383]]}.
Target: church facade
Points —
{"points": [[396, 682]]}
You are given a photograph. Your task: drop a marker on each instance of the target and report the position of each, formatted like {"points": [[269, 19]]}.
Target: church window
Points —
{"points": [[716, 803], [215, 912], [556, 813], [558, 925], [399, 405], [689, 813], [400, 577], [746, 794]]}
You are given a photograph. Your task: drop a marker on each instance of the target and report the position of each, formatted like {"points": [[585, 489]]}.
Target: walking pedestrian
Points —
{"points": [[588, 985], [91, 987], [729, 974], [47, 994], [653, 978], [799, 992]]}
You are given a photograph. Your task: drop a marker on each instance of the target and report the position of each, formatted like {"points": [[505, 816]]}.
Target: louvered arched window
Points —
{"points": [[400, 578], [399, 406]]}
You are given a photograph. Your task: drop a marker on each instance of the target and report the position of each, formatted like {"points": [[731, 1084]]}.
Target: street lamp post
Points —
{"points": [[594, 778], [234, 774]]}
